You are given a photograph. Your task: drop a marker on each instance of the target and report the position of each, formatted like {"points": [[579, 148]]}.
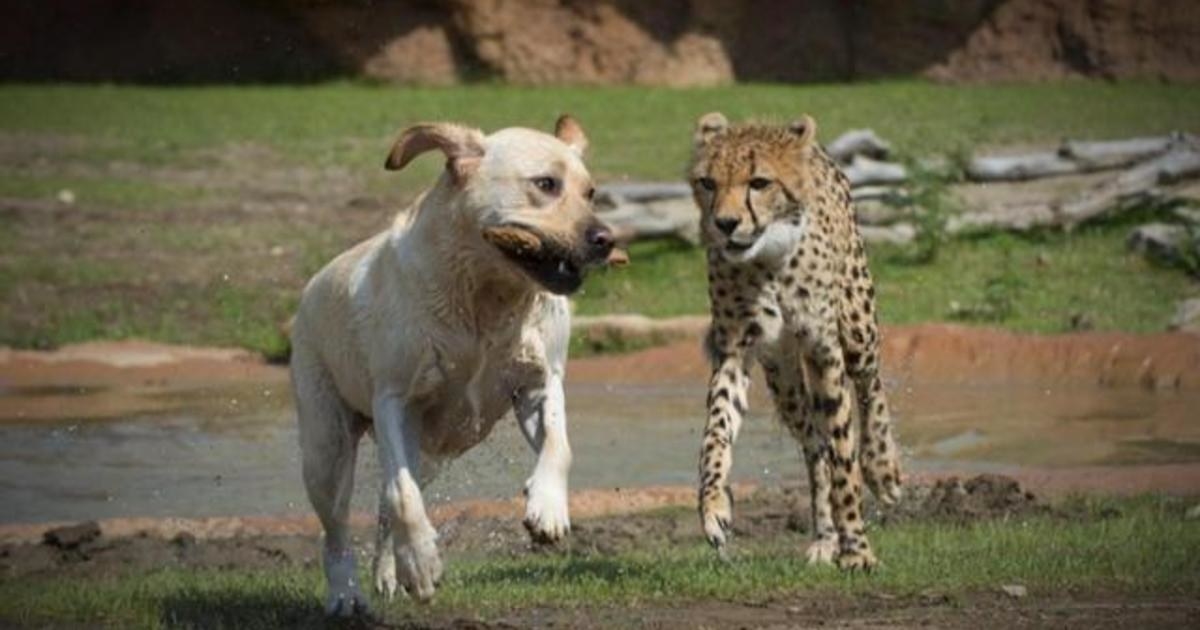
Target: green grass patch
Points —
{"points": [[1132, 546], [1034, 283], [106, 192], [164, 259], [635, 131]]}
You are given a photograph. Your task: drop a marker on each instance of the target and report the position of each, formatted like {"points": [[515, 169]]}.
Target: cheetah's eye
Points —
{"points": [[547, 184], [707, 183], [759, 183]]}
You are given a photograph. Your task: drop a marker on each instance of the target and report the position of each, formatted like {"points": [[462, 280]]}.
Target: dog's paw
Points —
{"points": [[385, 574], [546, 515], [347, 602], [345, 599], [821, 551], [419, 568], [716, 515]]}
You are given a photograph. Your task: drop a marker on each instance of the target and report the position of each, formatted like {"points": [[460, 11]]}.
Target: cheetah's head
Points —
{"points": [[749, 182]]}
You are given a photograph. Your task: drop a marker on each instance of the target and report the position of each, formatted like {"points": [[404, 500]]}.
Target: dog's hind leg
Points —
{"points": [[329, 435]]}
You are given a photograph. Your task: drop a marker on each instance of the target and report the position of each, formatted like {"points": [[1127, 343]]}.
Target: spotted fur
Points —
{"points": [[789, 288]]}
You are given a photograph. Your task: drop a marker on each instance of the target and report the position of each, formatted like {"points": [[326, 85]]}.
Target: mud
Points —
{"points": [[80, 553], [85, 550]]}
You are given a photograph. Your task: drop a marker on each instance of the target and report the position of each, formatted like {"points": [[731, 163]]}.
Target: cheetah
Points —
{"points": [[789, 287]]}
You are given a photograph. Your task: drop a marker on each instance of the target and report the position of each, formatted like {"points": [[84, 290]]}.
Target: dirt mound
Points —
{"points": [[984, 497], [1053, 39]]}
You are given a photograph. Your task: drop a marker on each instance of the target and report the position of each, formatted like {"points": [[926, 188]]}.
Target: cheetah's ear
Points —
{"points": [[708, 126], [804, 127]]}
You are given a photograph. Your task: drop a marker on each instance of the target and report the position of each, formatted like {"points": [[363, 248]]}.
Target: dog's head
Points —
{"points": [[522, 193]]}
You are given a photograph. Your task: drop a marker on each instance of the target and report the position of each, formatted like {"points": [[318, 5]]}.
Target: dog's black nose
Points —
{"points": [[726, 224], [600, 239]]}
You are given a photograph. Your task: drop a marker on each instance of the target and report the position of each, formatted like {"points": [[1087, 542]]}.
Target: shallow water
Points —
{"points": [[233, 450]]}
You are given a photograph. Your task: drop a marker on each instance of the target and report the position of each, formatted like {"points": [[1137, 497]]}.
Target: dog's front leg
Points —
{"points": [[417, 566], [541, 413]]}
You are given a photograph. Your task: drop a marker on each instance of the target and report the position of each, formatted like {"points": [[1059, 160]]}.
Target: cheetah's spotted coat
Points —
{"points": [[789, 287]]}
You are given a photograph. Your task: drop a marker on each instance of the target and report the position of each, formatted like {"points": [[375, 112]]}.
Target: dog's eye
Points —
{"points": [[591, 194], [759, 183], [548, 185], [707, 183]]}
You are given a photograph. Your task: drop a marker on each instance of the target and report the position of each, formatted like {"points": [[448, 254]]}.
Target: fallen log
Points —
{"points": [[675, 217], [1019, 167], [619, 192], [858, 142], [864, 171], [1127, 189], [872, 212], [1096, 155], [1134, 185]]}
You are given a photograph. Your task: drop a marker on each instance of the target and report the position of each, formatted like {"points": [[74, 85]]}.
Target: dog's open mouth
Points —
{"points": [[547, 261]]}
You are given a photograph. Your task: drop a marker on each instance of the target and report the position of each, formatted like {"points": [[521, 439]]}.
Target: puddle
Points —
{"points": [[232, 449]]}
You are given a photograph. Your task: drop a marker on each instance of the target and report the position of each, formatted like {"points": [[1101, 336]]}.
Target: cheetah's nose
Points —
{"points": [[726, 224]]}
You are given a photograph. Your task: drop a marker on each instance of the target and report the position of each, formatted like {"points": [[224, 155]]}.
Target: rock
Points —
{"points": [[1187, 317], [1193, 514], [72, 536], [1015, 591], [1047, 40], [1161, 241]]}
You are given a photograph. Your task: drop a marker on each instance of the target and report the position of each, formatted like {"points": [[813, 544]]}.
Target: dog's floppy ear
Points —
{"points": [[708, 126], [804, 127], [462, 146], [569, 131]]}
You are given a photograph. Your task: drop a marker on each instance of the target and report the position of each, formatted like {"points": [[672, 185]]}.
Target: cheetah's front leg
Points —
{"points": [[726, 403]]}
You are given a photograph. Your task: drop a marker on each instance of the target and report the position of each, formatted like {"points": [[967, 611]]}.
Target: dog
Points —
{"points": [[429, 333]]}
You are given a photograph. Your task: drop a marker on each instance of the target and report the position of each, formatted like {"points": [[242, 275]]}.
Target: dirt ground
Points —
{"points": [[84, 551]]}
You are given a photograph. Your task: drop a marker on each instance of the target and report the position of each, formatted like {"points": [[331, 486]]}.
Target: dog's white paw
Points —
{"points": [[546, 514], [419, 568], [345, 599], [822, 551], [385, 574]]}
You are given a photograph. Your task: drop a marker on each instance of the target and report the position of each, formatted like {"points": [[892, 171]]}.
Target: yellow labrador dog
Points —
{"points": [[430, 332]]}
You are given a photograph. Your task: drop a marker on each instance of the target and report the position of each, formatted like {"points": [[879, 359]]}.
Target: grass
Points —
{"points": [[256, 183], [1088, 273], [1140, 546]]}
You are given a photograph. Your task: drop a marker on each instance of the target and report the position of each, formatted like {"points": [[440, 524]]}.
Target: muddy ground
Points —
{"points": [[86, 552]]}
